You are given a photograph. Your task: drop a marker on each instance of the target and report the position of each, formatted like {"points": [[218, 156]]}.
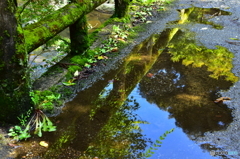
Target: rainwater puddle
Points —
{"points": [[169, 81]]}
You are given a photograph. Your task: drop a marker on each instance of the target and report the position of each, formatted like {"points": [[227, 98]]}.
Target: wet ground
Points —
{"points": [[170, 80]]}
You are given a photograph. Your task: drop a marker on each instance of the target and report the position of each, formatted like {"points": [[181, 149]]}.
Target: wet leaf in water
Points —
{"points": [[221, 99], [234, 38]]}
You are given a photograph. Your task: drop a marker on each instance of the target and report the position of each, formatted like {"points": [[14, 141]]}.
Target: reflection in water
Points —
{"points": [[109, 110], [218, 61], [204, 15], [101, 120], [187, 93], [121, 136]]}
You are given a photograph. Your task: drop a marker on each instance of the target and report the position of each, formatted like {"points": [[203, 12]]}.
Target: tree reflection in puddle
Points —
{"points": [[121, 136]]}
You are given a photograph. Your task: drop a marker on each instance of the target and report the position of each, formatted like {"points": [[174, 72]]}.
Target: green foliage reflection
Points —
{"points": [[149, 152], [218, 61], [121, 137]]}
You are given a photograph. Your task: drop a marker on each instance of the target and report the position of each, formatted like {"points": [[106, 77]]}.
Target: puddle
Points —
{"points": [[204, 16], [218, 61], [169, 81]]}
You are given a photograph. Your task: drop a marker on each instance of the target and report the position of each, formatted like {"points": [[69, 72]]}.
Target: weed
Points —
{"points": [[39, 122]]}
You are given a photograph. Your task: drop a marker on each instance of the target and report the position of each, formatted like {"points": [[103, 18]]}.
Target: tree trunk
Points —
{"points": [[15, 44], [79, 36], [121, 8], [14, 84]]}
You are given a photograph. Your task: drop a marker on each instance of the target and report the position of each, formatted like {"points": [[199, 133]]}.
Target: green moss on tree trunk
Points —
{"points": [[14, 79], [79, 36], [121, 8], [15, 43], [39, 33]]}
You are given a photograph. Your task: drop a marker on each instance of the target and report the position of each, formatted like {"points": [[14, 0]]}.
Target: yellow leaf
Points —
{"points": [[234, 38], [43, 143]]}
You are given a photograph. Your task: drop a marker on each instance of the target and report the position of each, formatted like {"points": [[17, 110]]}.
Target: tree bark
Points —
{"points": [[79, 36], [121, 8], [14, 86]]}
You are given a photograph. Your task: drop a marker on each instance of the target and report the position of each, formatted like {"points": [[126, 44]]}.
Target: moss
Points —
{"points": [[121, 9], [74, 68], [68, 76], [67, 92], [91, 53], [79, 36], [78, 60]]}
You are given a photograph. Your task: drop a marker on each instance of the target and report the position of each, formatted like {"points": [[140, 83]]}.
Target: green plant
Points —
{"points": [[149, 152], [24, 118], [116, 29], [39, 122], [44, 100], [148, 10], [18, 133], [118, 32], [140, 16], [167, 1]]}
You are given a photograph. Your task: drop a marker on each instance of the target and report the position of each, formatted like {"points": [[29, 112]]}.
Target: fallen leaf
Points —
{"points": [[76, 73], [105, 57], [43, 143], [12, 145], [150, 75], [120, 39], [69, 83], [234, 38], [221, 99], [100, 57], [114, 49]]}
